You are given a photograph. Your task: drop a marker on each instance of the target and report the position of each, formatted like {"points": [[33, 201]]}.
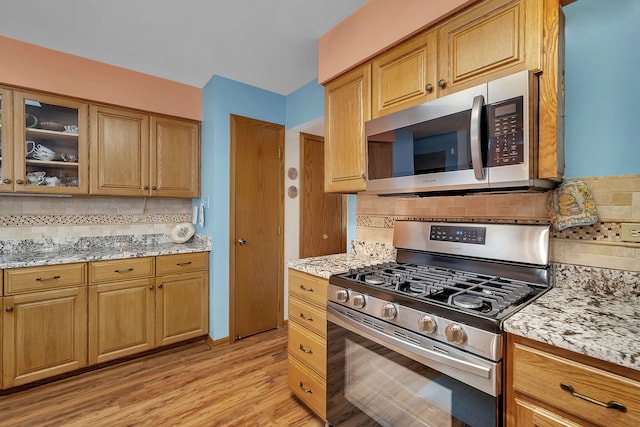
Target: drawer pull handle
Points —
{"points": [[306, 350], [303, 388], [306, 289], [610, 404], [302, 316], [123, 271], [44, 279], [184, 263]]}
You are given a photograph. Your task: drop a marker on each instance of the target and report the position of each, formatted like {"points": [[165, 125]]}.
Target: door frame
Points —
{"points": [[232, 222], [343, 226]]}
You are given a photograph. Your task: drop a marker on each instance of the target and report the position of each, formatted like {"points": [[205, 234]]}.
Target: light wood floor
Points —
{"points": [[242, 384]]}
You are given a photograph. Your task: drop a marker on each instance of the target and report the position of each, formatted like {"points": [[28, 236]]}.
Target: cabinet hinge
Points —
{"points": [[279, 153], [279, 230]]}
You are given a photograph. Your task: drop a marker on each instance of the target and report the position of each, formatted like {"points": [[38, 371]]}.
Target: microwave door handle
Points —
{"points": [[475, 136]]}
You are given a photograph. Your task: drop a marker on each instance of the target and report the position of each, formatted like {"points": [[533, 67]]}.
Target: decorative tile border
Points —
{"points": [[600, 231], [92, 219]]}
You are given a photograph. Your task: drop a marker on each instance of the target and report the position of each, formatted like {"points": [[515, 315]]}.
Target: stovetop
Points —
{"points": [[443, 290]]}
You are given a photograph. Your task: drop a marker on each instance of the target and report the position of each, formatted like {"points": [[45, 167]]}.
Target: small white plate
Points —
{"points": [[182, 232]]}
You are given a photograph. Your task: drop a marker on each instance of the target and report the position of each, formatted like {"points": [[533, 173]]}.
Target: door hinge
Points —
{"points": [[279, 230], [279, 153]]}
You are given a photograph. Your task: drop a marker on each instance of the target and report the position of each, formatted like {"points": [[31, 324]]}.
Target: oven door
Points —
{"points": [[380, 375]]}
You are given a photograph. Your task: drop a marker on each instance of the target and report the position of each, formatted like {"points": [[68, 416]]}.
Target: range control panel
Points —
{"points": [[506, 134], [461, 234]]}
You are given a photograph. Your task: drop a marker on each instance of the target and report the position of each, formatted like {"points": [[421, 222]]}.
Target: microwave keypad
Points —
{"points": [[505, 133]]}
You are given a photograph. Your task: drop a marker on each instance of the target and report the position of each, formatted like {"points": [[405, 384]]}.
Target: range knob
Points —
{"points": [[427, 324], [359, 301], [455, 334], [389, 311], [342, 295]]}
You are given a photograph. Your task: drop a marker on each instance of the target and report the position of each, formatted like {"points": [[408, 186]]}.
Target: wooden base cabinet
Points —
{"points": [[548, 386], [140, 306], [182, 302], [44, 332], [307, 343], [121, 319]]}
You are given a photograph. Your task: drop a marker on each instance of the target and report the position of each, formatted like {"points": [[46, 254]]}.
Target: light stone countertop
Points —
{"points": [[40, 252], [325, 266], [591, 311]]}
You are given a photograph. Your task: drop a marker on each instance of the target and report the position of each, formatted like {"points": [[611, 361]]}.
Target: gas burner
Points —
{"points": [[374, 279], [467, 301]]}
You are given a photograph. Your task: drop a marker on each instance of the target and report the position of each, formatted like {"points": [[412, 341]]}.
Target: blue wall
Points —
{"points": [[602, 88], [222, 97]]}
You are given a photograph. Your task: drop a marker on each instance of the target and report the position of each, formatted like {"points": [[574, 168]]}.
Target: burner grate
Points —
{"points": [[480, 293]]}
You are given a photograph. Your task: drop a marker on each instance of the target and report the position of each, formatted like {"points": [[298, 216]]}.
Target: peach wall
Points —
{"points": [[27, 65], [375, 26]]}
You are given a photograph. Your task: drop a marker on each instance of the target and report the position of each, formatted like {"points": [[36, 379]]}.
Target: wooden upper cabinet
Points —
{"points": [[6, 141], [175, 158], [50, 144], [347, 107], [135, 154], [493, 39], [405, 75], [119, 152]]}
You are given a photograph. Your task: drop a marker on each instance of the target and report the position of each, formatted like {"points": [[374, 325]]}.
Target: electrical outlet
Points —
{"points": [[630, 232]]}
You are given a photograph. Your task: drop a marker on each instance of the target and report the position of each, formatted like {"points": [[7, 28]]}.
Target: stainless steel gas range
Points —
{"points": [[419, 341]]}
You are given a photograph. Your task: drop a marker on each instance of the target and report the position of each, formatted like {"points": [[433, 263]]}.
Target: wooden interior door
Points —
{"points": [[257, 215], [323, 226]]}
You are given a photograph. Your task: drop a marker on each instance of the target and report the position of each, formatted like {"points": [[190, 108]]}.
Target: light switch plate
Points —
{"points": [[630, 232]]}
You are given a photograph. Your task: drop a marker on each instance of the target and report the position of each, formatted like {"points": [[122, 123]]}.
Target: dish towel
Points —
{"points": [[572, 205]]}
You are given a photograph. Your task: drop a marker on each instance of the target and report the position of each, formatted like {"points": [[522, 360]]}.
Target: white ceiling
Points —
{"points": [[270, 44]]}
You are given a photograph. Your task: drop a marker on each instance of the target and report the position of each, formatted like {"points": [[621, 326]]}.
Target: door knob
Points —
{"points": [[242, 242]]}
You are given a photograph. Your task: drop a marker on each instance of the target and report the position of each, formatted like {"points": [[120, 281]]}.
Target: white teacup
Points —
{"points": [[52, 181], [36, 178], [40, 152]]}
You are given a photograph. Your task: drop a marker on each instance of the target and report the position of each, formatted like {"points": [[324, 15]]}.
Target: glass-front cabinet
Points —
{"points": [[6, 141], [50, 144]]}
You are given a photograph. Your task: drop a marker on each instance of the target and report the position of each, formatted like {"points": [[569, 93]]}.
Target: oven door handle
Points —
{"points": [[412, 351]]}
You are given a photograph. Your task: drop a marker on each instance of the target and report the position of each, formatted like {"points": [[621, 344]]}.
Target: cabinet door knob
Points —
{"points": [[154, 188], [429, 88], [8, 309], [160, 286], [151, 287], [6, 181], [442, 83], [363, 175], [19, 181], [146, 187]]}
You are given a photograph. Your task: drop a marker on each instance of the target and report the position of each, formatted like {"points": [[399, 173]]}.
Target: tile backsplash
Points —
{"points": [[599, 245], [29, 217]]}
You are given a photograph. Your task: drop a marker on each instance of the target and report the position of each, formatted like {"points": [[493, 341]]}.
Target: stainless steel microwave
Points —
{"points": [[479, 139]]}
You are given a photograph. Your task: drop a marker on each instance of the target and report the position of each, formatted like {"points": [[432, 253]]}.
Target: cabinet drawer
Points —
{"points": [[308, 347], [120, 269], [310, 388], [308, 287], [28, 279], [539, 374], [308, 315], [170, 264]]}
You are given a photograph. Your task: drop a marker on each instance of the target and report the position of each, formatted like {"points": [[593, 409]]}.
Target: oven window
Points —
{"points": [[370, 385]]}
